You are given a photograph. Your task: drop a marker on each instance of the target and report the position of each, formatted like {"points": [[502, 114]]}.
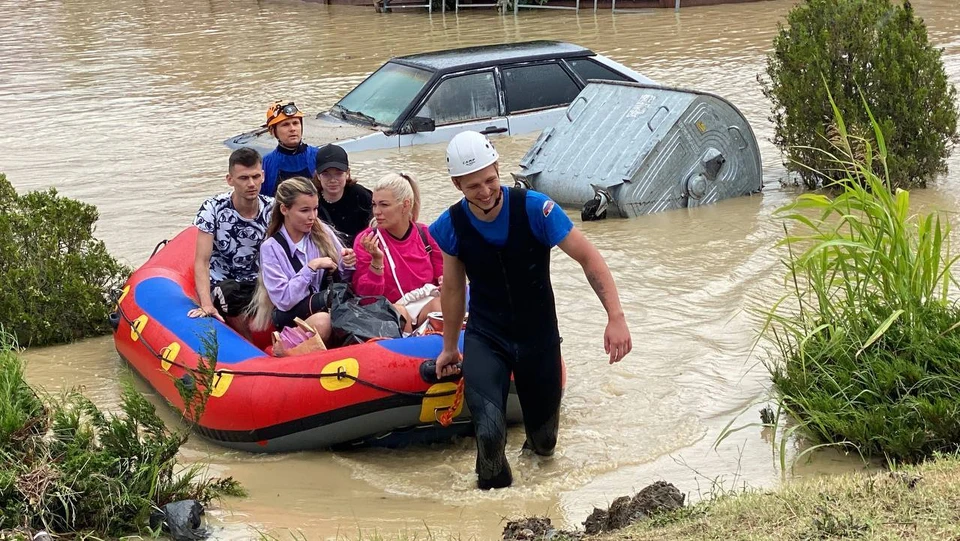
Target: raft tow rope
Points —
{"points": [[446, 418]]}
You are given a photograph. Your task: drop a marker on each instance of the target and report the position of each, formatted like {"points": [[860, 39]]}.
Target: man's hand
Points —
{"points": [[205, 311], [616, 339], [447, 363]]}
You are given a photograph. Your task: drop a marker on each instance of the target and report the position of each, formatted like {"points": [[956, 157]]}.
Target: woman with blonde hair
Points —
{"points": [[298, 253], [396, 256]]}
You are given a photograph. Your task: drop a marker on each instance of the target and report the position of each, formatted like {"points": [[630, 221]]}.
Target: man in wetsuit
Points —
{"points": [[500, 238], [292, 157]]}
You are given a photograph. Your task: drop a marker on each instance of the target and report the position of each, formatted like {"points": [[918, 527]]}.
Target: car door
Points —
{"points": [[536, 95], [459, 102]]}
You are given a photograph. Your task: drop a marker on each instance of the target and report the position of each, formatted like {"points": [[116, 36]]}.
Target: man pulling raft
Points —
{"points": [[500, 238]]}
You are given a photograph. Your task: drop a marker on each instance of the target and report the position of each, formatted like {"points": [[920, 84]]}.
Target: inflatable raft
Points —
{"points": [[380, 392]]}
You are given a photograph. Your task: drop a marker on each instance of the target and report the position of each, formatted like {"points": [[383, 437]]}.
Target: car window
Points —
{"points": [[462, 99], [586, 69], [538, 86], [386, 93]]}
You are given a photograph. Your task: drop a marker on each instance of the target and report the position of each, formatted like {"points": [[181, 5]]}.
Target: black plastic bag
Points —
{"points": [[181, 519], [358, 319]]}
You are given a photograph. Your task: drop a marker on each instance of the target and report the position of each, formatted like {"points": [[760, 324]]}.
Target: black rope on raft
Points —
{"points": [[339, 374], [157, 247]]}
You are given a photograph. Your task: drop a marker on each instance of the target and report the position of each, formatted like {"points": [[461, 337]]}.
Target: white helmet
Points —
{"points": [[469, 152]]}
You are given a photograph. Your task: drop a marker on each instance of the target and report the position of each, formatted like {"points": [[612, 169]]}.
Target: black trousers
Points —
{"points": [[312, 304], [537, 374]]}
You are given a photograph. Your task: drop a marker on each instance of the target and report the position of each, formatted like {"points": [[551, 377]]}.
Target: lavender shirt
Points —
{"points": [[285, 286]]}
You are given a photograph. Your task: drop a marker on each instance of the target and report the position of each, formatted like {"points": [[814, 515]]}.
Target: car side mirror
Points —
{"points": [[419, 124]]}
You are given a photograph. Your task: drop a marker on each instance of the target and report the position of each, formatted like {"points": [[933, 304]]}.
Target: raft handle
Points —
{"points": [[428, 372]]}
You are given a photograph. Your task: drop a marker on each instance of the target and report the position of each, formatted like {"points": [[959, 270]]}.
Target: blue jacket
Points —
{"points": [[284, 163]]}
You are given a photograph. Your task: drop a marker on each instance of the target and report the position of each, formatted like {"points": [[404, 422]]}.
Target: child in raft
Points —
{"points": [[396, 256], [298, 253]]}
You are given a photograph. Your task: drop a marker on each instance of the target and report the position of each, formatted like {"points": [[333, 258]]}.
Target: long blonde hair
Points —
{"points": [[261, 309], [404, 187]]}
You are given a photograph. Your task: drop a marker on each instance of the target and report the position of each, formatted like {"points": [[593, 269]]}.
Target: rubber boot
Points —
{"points": [[542, 439], [493, 470]]}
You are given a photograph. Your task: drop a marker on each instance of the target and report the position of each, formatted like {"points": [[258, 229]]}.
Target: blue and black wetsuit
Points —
{"points": [[512, 326], [284, 163]]}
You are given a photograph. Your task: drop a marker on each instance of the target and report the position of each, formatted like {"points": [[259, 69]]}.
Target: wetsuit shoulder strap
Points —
{"points": [[282, 241]]}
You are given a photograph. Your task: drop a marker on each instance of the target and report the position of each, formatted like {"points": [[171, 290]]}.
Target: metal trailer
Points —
{"points": [[627, 149]]}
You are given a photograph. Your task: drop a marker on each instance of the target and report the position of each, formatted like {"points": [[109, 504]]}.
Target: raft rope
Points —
{"points": [[156, 248], [339, 374], [447, 417]]}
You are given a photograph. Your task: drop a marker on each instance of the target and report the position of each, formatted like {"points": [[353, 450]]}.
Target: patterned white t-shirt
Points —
{"points": [[236, 240]]}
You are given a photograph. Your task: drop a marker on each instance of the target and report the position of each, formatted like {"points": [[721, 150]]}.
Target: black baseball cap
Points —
{"points": [[331, 155]]}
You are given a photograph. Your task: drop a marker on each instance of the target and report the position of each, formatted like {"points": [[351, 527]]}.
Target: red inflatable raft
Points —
{"points": [[380, 392]]}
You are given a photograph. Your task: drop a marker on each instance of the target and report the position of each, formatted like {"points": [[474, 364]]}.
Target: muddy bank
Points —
{"points": [[917, 502], [660, 497]]}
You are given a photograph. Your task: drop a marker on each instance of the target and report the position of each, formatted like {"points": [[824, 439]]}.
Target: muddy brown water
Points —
{"points": [[124, 103]]}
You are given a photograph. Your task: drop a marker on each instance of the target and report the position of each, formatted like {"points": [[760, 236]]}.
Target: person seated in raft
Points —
{"points": [[232, 225], [344, 204], [292, 157], [299, 251], [396, 256]]}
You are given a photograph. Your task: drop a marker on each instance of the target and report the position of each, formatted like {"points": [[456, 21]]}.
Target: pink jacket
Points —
{"points": [[415, 266]]}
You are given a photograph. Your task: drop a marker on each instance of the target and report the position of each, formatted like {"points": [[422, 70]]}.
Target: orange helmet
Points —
{"points": [[278, 112]]}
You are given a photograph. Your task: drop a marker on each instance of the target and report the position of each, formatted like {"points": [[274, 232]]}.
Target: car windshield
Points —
{"points": [[383, 96]]}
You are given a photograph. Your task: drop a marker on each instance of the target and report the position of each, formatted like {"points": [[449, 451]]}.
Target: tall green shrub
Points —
{"points": [[868, 338], [55, 277], [871, 46]]}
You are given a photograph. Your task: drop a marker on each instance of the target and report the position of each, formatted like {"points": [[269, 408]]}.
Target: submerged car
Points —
{"points": [[426, 98]]}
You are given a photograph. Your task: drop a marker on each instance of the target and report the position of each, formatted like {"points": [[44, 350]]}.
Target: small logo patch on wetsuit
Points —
{"points": [[547, 208]]}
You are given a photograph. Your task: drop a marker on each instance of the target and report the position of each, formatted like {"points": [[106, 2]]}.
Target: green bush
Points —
{"points": [[868, 338], [68, 468], [55, 277], [860, 45]]}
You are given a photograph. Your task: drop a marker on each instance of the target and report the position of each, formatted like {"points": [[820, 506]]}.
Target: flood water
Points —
{"points": [[124, 104]]}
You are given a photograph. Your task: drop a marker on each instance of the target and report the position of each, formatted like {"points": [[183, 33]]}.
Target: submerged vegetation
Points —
{"points": [[846, 47], [68, 468], [55, 277], [868, 340]]}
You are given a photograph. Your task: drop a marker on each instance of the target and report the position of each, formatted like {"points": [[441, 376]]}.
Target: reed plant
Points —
{"points": [[867, 341]]}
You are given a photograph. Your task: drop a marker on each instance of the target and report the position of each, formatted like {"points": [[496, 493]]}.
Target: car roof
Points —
{"points": [[492, 55]]}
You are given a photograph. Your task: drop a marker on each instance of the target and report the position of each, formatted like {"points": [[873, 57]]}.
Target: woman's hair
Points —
{"points": [[404, 187], [261, 309], [316, 180]]}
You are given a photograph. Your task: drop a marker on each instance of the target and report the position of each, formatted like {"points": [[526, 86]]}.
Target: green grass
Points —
{"points": [[867, 341], [917, 502], [70, 469]]}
